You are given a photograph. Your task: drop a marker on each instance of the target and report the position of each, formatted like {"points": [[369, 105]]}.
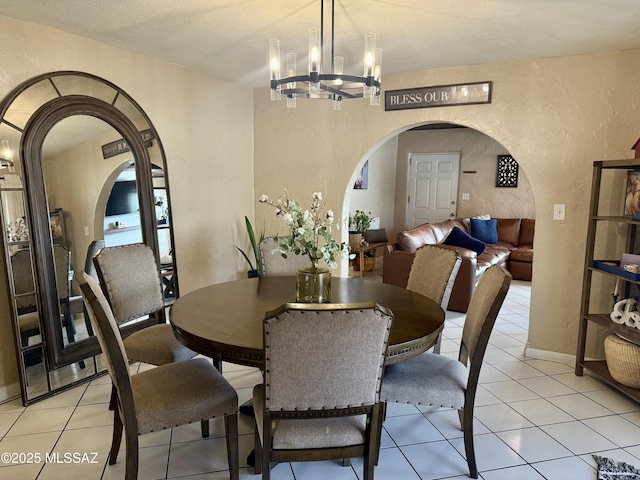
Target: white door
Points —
{"points": [[433, 187]]}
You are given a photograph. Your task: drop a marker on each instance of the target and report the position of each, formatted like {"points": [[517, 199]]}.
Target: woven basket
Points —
{"points": [[369, 263], [623, 360]]}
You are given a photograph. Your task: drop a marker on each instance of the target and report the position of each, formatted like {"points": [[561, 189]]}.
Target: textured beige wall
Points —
{"points": [[478, 153], [206, 128], [378, 198], [554, 115]]}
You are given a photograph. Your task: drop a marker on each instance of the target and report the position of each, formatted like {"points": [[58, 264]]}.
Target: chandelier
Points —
{"points": [[333, 85]]}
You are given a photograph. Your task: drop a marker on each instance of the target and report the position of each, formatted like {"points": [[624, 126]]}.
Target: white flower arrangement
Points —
{"points": [[17, 230], [309, 230]]}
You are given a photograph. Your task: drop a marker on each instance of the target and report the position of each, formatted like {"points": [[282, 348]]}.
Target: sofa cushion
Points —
{"points": [[509, 231], [485, 230], [523, 254], [527, 230], [460, 238]]}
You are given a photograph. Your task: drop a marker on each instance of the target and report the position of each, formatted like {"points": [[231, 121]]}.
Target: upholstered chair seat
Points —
{"points": [[428, 379], [180, 393], [144, 345], [312, 433]]}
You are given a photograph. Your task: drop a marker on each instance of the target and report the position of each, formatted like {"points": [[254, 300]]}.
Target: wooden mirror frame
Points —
{"points": [[32, 137]]}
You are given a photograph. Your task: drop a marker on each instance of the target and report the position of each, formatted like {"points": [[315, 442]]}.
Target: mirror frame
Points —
{"points": [[32, 137]]}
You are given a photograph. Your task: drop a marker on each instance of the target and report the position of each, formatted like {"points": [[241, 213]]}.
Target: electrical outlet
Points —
{"points": [[465, 196], [558, 211]]}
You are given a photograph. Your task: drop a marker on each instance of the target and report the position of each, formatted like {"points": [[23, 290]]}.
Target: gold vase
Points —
{"points": [[313, 285]]}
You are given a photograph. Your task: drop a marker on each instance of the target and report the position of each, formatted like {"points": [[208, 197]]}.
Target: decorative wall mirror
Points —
{"points": [[81, 167]]}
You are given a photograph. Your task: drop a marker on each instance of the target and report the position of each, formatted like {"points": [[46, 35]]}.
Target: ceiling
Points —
{"points": [[229, 38]]}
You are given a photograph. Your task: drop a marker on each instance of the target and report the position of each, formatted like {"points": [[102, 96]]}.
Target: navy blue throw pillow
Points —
{"points": [[460, 238], [485, 230]]}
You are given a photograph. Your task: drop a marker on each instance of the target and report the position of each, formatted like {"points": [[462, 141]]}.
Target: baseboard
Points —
{"points": [[538, 354], [9, 392]]}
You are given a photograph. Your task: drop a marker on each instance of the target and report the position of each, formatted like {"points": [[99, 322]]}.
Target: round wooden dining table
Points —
{"points": [[225, 321]]}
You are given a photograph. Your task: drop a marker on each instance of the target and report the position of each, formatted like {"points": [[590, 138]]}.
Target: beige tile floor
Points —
{"points": [[534, 420]]}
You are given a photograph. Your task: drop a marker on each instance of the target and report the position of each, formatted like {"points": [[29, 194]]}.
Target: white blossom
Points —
{"points": [[330, 215], [263, 199]]}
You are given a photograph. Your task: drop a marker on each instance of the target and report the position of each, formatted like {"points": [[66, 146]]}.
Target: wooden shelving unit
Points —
{"points": [[599, 368]]}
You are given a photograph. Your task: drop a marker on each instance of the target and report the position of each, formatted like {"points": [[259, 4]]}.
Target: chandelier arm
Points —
{"points": [[368, 81]]}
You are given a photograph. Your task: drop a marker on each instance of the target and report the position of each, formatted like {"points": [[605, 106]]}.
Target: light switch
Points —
{"points": [[558, 211], [465, 196], [86, 230]]}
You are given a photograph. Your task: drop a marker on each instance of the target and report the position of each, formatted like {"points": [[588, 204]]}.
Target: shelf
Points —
{"points": [[628, 333], [627, 163], [606, 267], [600, 370], [616, 218], [613, 267]]}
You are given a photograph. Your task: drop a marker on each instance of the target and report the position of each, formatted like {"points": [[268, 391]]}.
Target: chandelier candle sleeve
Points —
{"points": [[314, 51], [369, 53], [274, 66]]}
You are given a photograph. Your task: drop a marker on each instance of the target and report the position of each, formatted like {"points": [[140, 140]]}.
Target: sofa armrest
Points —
{"points": [[396, 266]]}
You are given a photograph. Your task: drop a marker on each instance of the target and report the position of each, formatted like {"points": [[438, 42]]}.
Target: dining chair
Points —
{"points": [[432, 274], [436, 380], [163, 397], [274, 264], [320, 396], [130, 279]]}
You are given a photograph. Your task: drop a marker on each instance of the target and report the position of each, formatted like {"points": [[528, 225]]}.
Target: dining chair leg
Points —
{"points": [[436, 346], [231, 431], [204, 427], [266, 450], [132, 461], [113, 400], [382, 416], [117, 437], [467, 427], [257, 450]]}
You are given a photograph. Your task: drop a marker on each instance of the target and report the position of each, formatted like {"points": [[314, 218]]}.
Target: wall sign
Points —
{"points": [[117, 147], [438, 96]]}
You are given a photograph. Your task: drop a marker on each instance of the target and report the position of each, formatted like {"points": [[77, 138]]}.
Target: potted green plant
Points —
{"points": [[358, 223], [254, 271]]}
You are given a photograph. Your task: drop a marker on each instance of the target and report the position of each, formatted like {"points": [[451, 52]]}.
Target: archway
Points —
{"points": [[478, 190]]}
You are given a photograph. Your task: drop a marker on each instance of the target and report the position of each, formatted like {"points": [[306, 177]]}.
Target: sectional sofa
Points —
{"points": [[512, 249]]}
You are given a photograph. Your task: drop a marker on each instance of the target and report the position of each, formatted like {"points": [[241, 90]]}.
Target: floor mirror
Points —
{"points": [[81, 167]]}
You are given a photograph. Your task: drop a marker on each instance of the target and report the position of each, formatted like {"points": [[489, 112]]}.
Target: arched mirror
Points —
{"points": [[81, 168]]}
